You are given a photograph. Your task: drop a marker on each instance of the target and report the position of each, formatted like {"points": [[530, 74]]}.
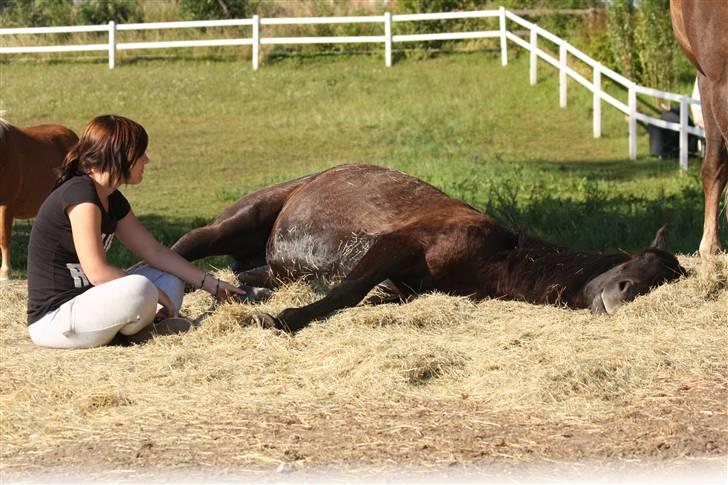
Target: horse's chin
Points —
{"points": [[597, 305], [601, 305]]}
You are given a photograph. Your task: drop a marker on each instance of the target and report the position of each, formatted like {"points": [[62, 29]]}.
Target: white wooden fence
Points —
{"points": [[567, 53]]}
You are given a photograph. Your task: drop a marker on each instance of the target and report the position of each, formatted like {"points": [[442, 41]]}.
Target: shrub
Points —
{"points": [[620, 33], [96, 12], [36, 13], [655, 44], [214, 9]]}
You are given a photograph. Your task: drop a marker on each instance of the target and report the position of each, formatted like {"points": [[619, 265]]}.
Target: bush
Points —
{"points": [[40, 13], [656, 47], [36, 13], [642, 45], [96, 12], [620, 33], [214, 9]]}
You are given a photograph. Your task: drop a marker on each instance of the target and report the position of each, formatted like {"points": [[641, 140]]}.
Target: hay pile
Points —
{"points": [[437, 380]]}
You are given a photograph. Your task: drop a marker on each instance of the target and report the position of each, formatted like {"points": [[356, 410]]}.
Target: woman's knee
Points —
{"points": [[138, 288], [174, 288]]}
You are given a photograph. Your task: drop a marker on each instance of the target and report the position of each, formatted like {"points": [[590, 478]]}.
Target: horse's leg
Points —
{"points": [[390, 256], [387, 292], [714, 171], [6, 226], [260, 277], [242, 230]]}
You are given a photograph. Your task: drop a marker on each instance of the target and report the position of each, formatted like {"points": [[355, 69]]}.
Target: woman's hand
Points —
{"points": [[221, 290], [167, 309]]}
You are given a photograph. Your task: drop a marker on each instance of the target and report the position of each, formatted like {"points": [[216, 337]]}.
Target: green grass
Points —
{"points": [[475, 129]]}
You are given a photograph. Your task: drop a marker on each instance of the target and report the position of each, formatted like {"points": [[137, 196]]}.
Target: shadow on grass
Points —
{"points": [[618, 170], [604, 222], [588, 218]]}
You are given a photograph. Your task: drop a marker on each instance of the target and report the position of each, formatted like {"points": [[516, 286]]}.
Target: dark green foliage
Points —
{"points": [[39, 13], [642, 45], [620, 32], [656, 47], [35, 13], [214, 9], [96, 12]]}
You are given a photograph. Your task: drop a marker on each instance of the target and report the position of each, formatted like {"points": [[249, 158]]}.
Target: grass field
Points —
{"points": [[472, 128], [440, 383]]}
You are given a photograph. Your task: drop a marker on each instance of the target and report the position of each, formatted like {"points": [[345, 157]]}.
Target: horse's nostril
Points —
{"points": [[624, 285]]}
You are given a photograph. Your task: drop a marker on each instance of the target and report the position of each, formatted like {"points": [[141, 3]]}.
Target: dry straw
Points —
{"points": [[226, 381]]}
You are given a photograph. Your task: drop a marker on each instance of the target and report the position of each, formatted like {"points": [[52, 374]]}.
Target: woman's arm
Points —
{"points": [[135, 236], [86, 231]]}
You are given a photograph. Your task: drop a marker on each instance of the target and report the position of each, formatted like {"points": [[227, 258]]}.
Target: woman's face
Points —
{"points": [[137, 170]]}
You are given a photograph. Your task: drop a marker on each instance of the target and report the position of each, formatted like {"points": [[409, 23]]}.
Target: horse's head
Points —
{"points": [[636, 276]]}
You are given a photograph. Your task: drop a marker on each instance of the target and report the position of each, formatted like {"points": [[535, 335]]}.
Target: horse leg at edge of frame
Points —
{"points": [[714, 170], [388, 257], [6, 226]]}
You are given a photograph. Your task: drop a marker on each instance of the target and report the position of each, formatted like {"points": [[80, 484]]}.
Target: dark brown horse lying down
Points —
{"points": [[370, 226]]}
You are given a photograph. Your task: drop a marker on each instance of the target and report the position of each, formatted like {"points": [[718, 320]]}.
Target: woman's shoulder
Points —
{"points": [[76, 190], [118, 205]]}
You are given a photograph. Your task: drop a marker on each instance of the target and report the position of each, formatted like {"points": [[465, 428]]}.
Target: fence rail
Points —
{"points": [[535, 34]]}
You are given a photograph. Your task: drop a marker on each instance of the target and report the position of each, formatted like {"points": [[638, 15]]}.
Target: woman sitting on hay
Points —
{"points": [[76, 299]]}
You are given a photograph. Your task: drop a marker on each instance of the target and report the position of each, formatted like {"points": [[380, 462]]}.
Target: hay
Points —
{"points": [[411, 383]]}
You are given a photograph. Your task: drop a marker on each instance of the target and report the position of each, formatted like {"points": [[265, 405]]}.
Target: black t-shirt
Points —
{"points": [[54, 272]]}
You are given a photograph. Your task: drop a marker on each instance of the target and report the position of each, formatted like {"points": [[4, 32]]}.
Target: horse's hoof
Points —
{"points": [[253, 294], [267, 321], [4, 277]]}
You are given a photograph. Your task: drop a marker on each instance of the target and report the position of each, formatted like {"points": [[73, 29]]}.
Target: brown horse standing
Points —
{"points": [[28, 160], [370, 226], [701, 28]]}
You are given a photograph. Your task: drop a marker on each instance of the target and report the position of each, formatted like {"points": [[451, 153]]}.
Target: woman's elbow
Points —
{"points": [[99, 274]]}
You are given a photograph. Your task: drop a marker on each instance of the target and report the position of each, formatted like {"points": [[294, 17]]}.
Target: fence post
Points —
{"points": [[562, 75], [534, 57], [597, 101], [683, 132], [632, 122], [256, 41], [387, 39], [504, 45], [112, 44]]}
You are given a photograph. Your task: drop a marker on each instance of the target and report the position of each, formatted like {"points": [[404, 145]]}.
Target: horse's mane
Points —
{"points": [[4, 125], [551, 274]]}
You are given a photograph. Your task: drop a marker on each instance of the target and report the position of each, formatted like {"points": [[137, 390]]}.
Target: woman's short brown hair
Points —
{"points": [[110, 144]]}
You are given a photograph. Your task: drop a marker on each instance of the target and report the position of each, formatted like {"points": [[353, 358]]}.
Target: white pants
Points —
{"points": [[94, 317]]}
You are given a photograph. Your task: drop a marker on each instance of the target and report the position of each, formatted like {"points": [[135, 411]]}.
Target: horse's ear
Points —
{"points": [[659, 242]]}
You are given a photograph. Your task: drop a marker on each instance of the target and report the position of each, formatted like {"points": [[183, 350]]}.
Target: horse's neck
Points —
{"points": [[551, 274]]}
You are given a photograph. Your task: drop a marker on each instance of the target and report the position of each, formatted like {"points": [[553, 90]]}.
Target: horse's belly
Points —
{"points": [[299, 252]]}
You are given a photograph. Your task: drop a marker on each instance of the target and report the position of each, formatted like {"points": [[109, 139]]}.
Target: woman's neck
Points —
{"points": [[103, 186]]}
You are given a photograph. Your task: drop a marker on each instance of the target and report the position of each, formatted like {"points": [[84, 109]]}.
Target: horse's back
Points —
{"points": [[330, 222], [30, 157], [362, 198]]}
